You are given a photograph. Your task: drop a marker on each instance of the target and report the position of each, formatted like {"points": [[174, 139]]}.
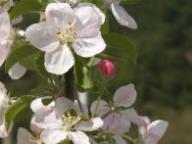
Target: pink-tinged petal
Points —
{"points": [[90, 125], [91, 18], [59, 61], [62, 104], [4, 51], [99, 108], [122, 127], [125, 96], [44, 115], [111, 121], [5, 26], [24, 137], [43, 36], [60, 15], [88, 47], [53, 136], [155, 131], [79, 138], [132, 116], [17, 71], [116, 124], [44, 119], [122, 17], [119, 139]]}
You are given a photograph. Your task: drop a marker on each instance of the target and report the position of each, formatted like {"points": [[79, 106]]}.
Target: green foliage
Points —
{"points": [[17, 107], [26, 6], [83, 75], [19, 54]]}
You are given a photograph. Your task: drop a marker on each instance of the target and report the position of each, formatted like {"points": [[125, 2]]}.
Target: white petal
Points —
{"points": [[155, 131], [3, 130], [116, 124], [122, 17], [37, 104], [5, 26], [44, 115], [132, 116], [17, 20], [4, 51], [24, 137], [125, 96], [62, 104], [111, 121], [90, 125], [17, 71], [88, 47], [79, 138], [60, 15], [91, 18], [119, 140], [99, 108], [44, 119], [59, 61], [43, 36], [53, 136], [3, 105]]}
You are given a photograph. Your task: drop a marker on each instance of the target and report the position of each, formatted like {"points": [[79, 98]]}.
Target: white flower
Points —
{"points": [[152, 132], [17, 71], [5, 32], [67, 30], [120, 14], [42, 118], [117, 122], [68, 127], [3, 109]]}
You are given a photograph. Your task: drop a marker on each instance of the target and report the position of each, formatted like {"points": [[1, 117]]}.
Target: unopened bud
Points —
{"points": [[106, 67]]}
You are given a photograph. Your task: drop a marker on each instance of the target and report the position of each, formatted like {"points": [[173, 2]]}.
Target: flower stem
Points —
{"points": [[70, 85]]}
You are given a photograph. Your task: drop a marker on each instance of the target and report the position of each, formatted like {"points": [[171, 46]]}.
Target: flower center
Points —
{"points": [[66, 35], [34, 139]]}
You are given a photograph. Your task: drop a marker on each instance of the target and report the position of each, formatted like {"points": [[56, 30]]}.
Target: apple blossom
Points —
{"points": [[116, 122], [120, 14], [67, 30], [65, 126], [4, 104]]}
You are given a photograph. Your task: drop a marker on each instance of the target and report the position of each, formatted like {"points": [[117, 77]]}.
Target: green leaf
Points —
{"points": [[25, 6], [18, 54], [17, 107], [121, 43], [130, 2], [40, 66], [83, 75]]}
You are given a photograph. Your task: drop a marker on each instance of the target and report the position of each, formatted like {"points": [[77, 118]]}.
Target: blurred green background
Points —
{"points": [[163, 72]]}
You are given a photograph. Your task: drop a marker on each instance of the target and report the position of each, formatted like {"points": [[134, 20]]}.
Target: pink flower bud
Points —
{"points": [[106, 67]]}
